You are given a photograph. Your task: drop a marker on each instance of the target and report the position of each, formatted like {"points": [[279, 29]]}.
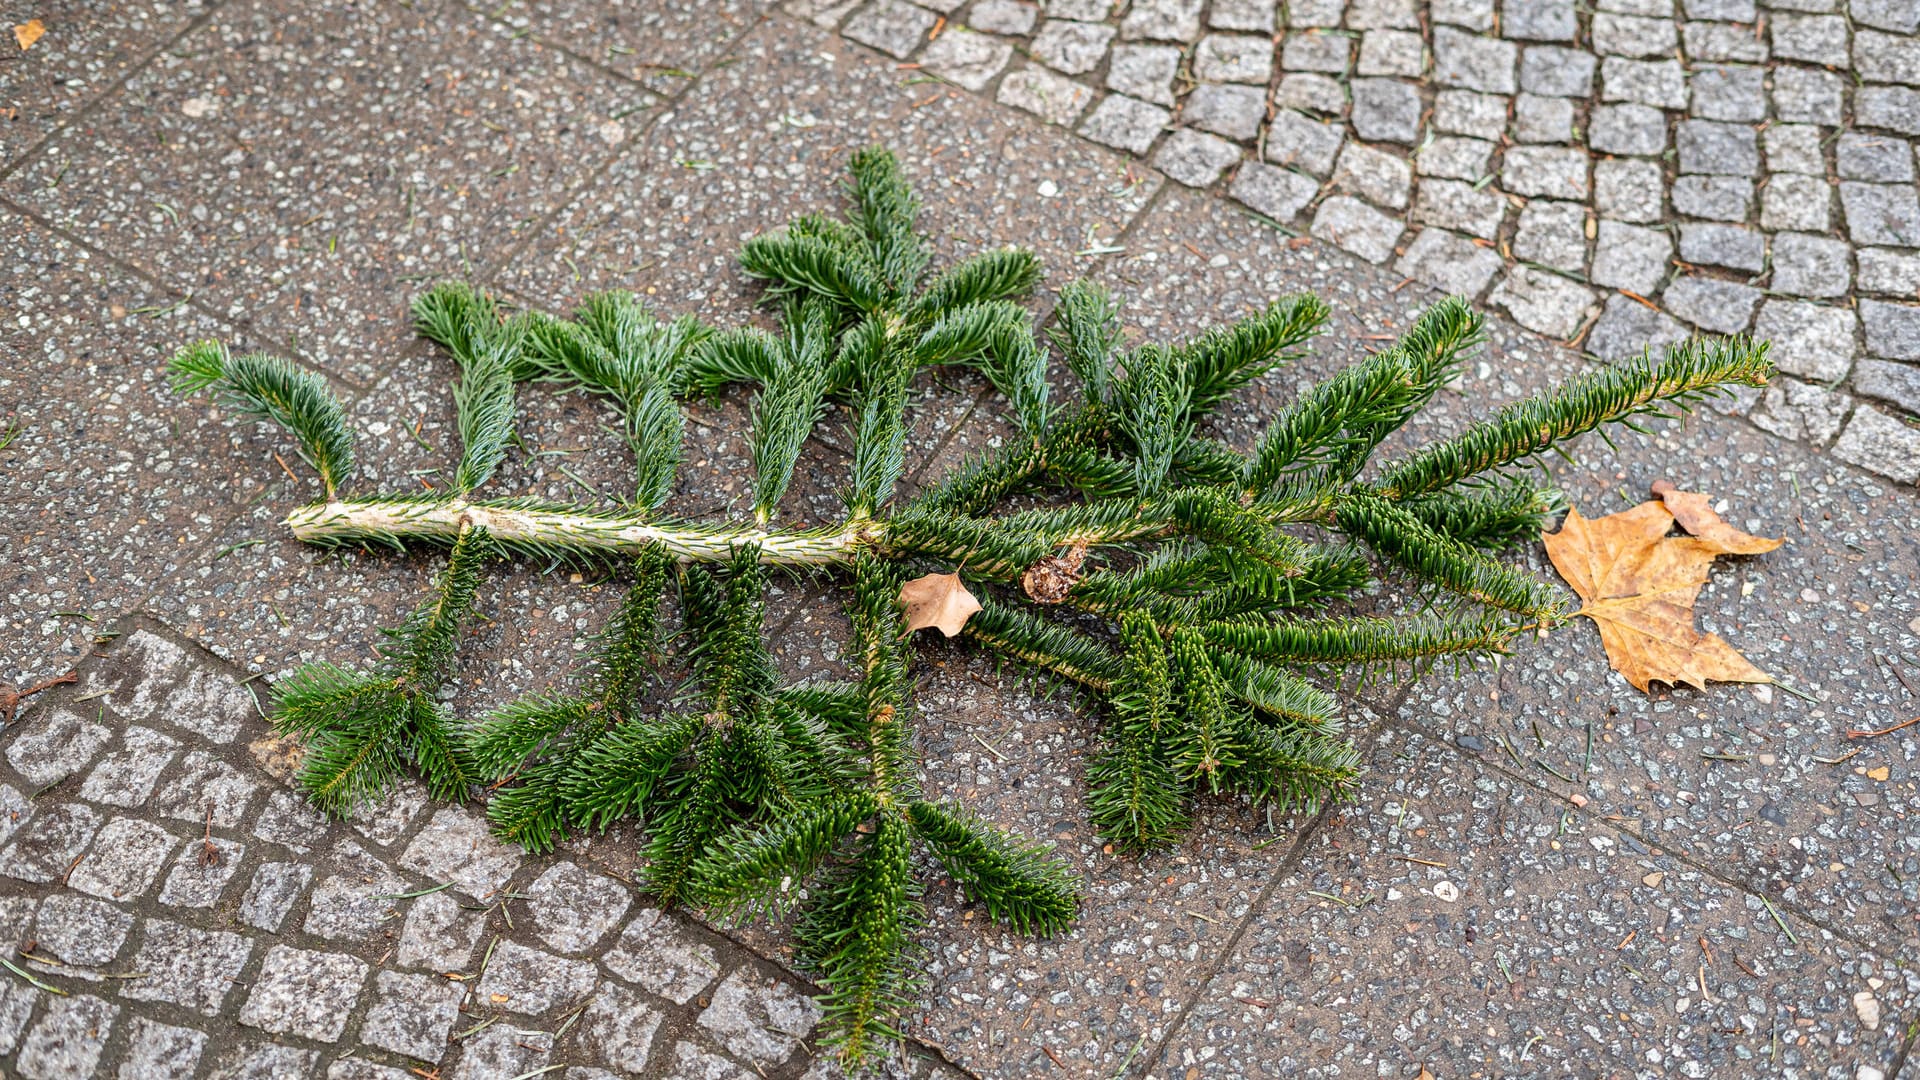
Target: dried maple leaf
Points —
{"points": [[29, 32], [1638, 586], [937, 600]]}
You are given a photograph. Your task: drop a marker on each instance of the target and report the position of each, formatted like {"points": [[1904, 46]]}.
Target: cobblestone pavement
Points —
{"points": [[178, 910], [1546, 873], [1615, 176]]}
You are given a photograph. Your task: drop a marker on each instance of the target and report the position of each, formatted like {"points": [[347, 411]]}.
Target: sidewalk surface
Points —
{"points": [[1545, 872]]}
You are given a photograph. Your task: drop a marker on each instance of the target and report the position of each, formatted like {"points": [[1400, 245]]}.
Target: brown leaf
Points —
{"points": [[29, 32], [1639, 586], [1694, 512], [937, 600]]}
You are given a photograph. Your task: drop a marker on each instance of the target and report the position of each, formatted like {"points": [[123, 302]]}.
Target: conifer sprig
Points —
{"points": [[265, 387], [1198, 597]]}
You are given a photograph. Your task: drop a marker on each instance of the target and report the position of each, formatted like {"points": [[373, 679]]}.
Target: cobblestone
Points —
{"points": [[1723, 245], [1800, 411], [1195, 158], [1302, 143], [1375, 175], [1545, 302], [1554, 234], [1631, 257], [1893, 330], [1277, 193], [63, 748], [1792, 202], [1628, 327], [1453, 264], [1125, 123], [1809, 340], [125, 860], [1053, 98], [1072, 48], [1806, 265], [412, 1014], [1229, 110], [1357, 227], [1880, 443], [1898, 383], [1720, 307], [968, 58], [757, 1019], [304, 993]]}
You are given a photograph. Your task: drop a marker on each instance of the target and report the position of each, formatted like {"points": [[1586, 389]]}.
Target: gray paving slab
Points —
{"points": [[662, 45], [1459, 920], [319, 166], [95, 448], [79, 57], [766, 138]]}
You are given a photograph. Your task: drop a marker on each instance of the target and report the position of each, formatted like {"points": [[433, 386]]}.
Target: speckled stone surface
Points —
{"points": [[1496, 902]]}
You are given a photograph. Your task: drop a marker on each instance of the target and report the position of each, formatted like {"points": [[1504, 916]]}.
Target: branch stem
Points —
{"points": [[579, 531]]}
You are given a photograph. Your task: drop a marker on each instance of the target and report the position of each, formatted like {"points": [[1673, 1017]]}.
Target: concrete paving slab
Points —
{"points": [[320, 168], [1459, 920], [766, 138]]}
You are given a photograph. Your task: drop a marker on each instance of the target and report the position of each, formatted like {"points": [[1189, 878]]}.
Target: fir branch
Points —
{"points": [[1087, 333], [691, 815], [1492, 517], [745, 355], [1021, 883], [840, 706], [483, 404], [798, 265], [791, 403], [261, 387], [1202, 748], [1277, 693], [617, 774], [1638, 387], [458, 318], [759, 870], [1018, 634], [1002, 274], [857, 939], [879, 446], [1223, 360], [1362, 639], [1135, 798], [1404, 539], [884, 209], [1292, 767], [524, 728], [1151, 408]]}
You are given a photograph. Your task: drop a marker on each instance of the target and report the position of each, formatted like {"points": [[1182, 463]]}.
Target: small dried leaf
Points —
{"points": [[29, 32], [1639, 586], [1049, 580], [937, 600]]}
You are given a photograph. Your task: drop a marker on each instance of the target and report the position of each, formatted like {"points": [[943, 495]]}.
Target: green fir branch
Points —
{"points": [[261, 387]]}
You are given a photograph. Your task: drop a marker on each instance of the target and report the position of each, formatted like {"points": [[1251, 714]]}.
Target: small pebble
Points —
{"points": [[1868, 1008]]}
